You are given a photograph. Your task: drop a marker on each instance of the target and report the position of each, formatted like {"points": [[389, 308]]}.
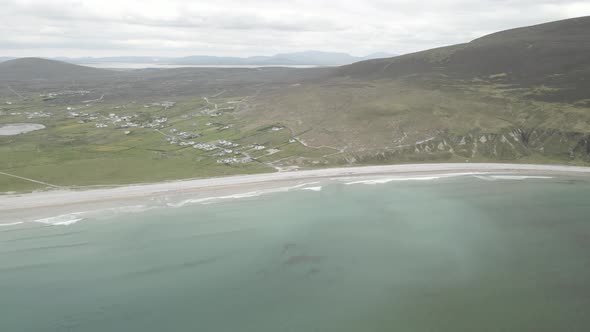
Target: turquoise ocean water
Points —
{"points": [[460, 254]]}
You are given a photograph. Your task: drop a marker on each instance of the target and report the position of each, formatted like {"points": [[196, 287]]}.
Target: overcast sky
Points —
{"points": [[259, 27]]}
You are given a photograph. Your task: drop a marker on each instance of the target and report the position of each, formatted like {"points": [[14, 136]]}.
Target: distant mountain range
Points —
{"points": [[316, 58], [299, 58], [26, 69]]}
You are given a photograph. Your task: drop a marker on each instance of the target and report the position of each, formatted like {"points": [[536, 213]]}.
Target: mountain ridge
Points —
{"points": [[317, 58], [519, 94], [23, 69], [554, 52], [496, 98]]}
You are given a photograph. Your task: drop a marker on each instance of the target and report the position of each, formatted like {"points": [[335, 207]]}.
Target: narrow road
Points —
{"points": [[158, 130], [93, 100], [219, 94], [317, 147], [31, 180], [210, 103], [13, 91]]}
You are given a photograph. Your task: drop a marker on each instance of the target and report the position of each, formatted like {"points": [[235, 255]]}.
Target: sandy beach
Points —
{"points": [[15, 206]]}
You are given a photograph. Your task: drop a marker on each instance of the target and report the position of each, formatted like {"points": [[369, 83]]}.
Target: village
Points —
{"points": [[160, 119]]}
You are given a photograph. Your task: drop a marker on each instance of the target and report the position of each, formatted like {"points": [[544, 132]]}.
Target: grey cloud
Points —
{"points": [[220, 19], [250, 27]]}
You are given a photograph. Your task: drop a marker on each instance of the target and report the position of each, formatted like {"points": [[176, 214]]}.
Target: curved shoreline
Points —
{"points": [[73, 197]]}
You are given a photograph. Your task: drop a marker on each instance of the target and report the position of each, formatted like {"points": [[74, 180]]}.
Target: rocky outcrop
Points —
{"points": [[508, 145]]}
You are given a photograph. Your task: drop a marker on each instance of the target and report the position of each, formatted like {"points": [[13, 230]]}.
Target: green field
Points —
{"points": [[70, 154], [346, 122], [518, 96]]}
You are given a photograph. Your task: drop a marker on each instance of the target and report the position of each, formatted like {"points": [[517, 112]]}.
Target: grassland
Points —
{"points": [[72, 151], [517, 96], [356, 115], [291, 126]]}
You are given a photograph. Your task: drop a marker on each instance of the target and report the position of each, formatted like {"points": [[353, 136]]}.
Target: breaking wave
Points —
{"points": [[11, 224], [412, 178], [512, 177], [318, 188], [75, 217], [214, 199], [62, 220]]}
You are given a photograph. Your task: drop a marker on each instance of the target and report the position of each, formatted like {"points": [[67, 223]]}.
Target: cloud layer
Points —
{"points": [[259, 27]]}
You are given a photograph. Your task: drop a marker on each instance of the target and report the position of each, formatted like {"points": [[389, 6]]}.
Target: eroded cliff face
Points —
{"points": [[508, 145]]}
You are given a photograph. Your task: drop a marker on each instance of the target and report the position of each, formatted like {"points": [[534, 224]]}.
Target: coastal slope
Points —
{"points": [[516, 96], [520, 94], [43, 204]]}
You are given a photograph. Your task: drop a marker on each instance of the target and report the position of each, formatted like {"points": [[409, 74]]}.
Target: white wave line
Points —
{"points": [[12, 224]]}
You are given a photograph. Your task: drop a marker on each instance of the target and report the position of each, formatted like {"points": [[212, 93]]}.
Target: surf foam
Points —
{"points": [[214, 199], [11, 224], [318, 188], [61, 220], [412, 178], [512, 177], [72, 218]]}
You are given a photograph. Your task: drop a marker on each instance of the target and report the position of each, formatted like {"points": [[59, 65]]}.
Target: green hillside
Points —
{"points": [[515, 96]]}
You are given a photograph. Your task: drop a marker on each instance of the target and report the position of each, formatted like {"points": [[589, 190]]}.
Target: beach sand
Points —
{"points": [[24, 207]]}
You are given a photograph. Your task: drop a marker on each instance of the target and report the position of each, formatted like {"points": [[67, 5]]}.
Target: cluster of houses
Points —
{"points": [[215, 112], [222, 144], [165, 104], [160, 121], [156, 123], [34, 115], [220, 127], [53, 95], [227, 148], [29, 115], [228, 144], [129, 125], [125, 121], [184, 134], [181, 137], [234, 160], [224, 152], [72, 115], [256, 147], [224, 148], [211, 113], [205, 146], [192, 115]]}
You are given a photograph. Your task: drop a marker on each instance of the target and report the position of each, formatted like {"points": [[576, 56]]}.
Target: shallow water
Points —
{"points": [[452, 254], [9, 129]]}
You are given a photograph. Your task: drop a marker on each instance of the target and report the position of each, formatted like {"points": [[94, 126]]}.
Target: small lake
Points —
{"points": [[10, 129]]}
